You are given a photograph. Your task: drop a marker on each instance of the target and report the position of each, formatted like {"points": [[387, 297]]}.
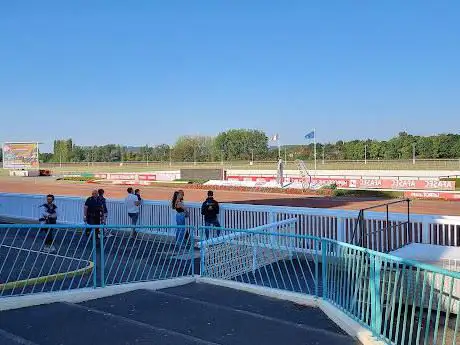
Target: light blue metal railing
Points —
{"points": [[44, 258], [401, 301]]}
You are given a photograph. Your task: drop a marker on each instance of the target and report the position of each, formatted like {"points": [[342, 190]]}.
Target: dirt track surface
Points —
{"points": [[49, 185]]}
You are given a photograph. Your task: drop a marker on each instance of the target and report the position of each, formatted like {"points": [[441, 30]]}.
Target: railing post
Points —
{"points": [[172, 222], [221, 217], [93, 237], [102, 257], [425, 230], [375, 291], [341, 229], [324, 244], [202, 252], [192, 250], [317, 268]]}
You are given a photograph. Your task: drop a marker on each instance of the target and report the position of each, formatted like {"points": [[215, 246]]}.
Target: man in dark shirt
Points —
{"points": [[105, 212], [93, 211], [210, 211]]}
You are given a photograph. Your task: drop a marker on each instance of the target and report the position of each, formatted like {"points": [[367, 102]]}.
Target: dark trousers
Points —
{"points": [[49, 232], [212, 222], [93, 220]]}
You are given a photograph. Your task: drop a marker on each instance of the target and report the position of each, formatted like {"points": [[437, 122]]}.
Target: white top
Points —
{"points": [[130, 202]]}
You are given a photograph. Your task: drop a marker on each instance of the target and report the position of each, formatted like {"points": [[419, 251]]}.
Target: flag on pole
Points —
{"points": [[276, 137], [310, 135]]}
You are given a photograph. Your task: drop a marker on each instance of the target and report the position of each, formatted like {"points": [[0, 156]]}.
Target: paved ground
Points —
{"points": [[49, 185], [191, 314]]}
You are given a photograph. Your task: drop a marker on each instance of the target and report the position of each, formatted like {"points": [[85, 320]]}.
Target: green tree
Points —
{"points": [[241, 144]]}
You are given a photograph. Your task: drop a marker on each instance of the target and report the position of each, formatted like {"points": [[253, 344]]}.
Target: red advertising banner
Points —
{"points": [[433, 195], [147, 177], [422, 184], [122, 176], [400, 184]]}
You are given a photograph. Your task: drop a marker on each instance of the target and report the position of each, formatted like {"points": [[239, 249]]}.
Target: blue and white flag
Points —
{"points": [[310, 135]]}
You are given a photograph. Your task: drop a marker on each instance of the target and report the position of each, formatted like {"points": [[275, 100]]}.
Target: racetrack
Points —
{"points": [[50, 185]]}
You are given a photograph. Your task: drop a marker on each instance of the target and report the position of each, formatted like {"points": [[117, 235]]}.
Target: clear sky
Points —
{"points": [[144, 72]]}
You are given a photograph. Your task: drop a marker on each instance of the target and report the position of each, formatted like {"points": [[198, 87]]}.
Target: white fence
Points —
{"points": [[334, 224]]}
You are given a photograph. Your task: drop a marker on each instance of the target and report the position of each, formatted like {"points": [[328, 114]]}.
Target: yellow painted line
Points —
{"points": [[48, 278]]}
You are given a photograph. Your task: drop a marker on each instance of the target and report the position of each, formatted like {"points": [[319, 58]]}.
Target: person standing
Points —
{"points": [[132, 204], [181, 214], [93, 212], [48, 216], [137, 192], [210, 212], [105, 212]]}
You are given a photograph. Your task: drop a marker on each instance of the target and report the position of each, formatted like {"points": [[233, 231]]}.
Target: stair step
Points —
{"points": [[262, 305], [7, 338], [67, 324], [211, 322]]}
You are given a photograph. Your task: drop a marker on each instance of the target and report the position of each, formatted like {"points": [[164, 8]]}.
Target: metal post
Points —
{"points": [[314, 146], [365, 154], [409, 225], [202, 252], [413, 153], [170, 157], [386, 232], [93, 237], [192, 248], [317, 268], [324, 267], [194, 155], [375, 292], [102, 257], [222, 157], [323, 154]]}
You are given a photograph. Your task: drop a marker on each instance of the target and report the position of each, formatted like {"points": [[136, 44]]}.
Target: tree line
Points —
{"points": [[247, 144]]}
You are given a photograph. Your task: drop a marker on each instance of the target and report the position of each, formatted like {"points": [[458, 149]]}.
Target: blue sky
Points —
{"points": [[144, 72]]}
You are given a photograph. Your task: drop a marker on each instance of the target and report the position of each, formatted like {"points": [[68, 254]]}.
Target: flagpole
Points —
{"points": [[279, 149], [314, 146]]}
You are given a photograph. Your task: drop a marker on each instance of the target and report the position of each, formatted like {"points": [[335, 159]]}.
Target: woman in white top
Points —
{"points": [[132, 204]]}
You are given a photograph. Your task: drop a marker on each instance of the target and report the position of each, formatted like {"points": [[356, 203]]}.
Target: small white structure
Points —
{"points": [[446, 292]]}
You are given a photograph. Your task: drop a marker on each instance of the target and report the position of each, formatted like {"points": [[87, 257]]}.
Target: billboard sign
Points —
{"points": [[20, 156]]}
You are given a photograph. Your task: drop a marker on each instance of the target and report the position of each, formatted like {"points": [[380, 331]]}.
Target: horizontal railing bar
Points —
{"points": [[222, 239], [269, 208]]}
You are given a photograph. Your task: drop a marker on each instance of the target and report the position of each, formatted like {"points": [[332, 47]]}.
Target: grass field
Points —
{"points": [[290, 165]]}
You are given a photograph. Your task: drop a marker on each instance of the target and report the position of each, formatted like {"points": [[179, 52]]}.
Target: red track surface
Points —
{"points": [[48, 185]]}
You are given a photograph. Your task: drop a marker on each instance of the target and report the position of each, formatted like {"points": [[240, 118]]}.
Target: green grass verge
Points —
{"points": [[76, 178], [367, 193], [193, 180], [243, 165]]}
